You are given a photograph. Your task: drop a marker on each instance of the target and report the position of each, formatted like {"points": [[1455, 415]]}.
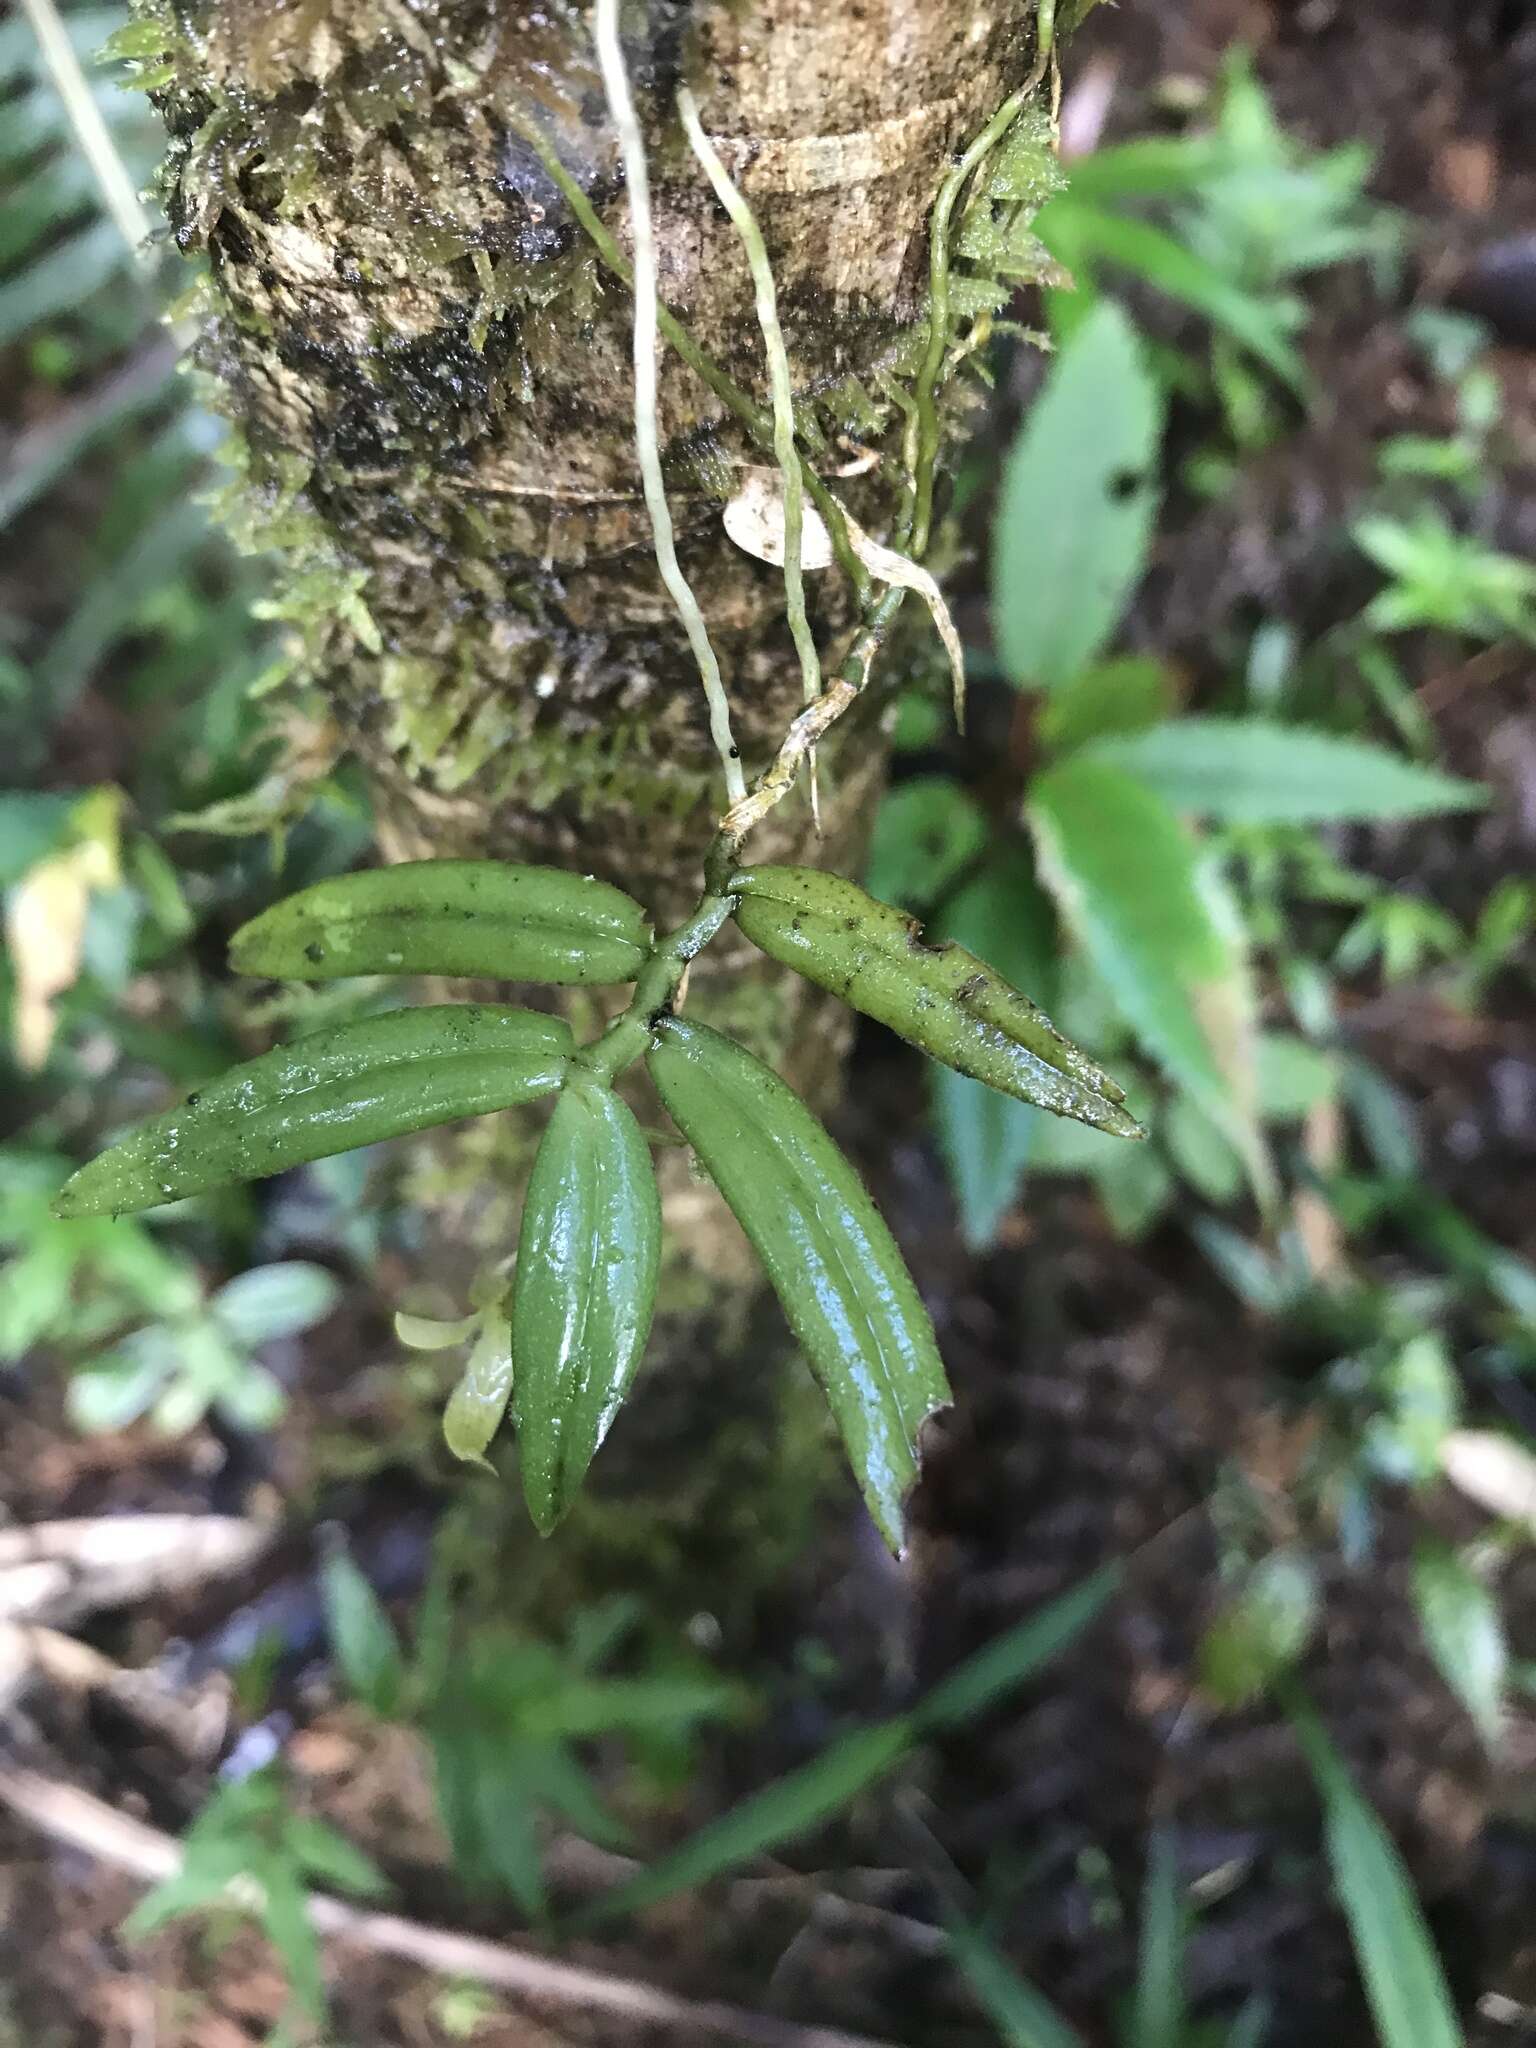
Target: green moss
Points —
{"points": [[703, 1502]]}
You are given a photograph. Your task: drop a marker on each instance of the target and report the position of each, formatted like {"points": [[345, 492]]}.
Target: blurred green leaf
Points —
{"points": [[1262, 1631], [1122, 696], [331, 1859], [927, 832], [1203, 1154], [32, 825], [1022, 2017], [1256, 771], [159, 551], [284, 1915], [1294, 1076], [1423, 1390], [986, 1138], [826, 1785], [1132, 1181], [119, 1388], [250, 1850], [56, 283], [1403, 1978], [86, 27], [1445, 579], [211, 1864], [792, 1806], [1080, 236], [1015, 1655], [579, 1707], [1465, 1632], [38, 458], [1150, 167], [1157, 2009], [366, 1647], [251, 1399], [1465, 1249], [1076, 505], [1125, 875], [1003, 916], [276, 1301]]}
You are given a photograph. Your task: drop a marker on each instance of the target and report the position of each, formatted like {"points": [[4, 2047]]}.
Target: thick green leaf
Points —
{"points": [[1076, 506], [937, 996], [1004, 916], [587, 1260], [1465, 1632], [832, 1261], [1403, 1979], [473, 917], [353, 1085], [1125, 874], [1257, 771]]}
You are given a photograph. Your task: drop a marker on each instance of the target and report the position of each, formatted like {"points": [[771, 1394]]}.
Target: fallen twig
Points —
{"points": [[193, 1722], [55, 1571], [69, 1815]]}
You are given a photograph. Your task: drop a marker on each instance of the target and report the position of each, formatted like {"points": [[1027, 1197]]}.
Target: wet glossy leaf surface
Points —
{"points": [[354, 1085], [938, 996], [587, 1261], [472, 917], [834, 1265]]}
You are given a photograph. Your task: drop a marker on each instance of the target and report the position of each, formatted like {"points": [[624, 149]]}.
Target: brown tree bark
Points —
{"points": [[431, 372]]}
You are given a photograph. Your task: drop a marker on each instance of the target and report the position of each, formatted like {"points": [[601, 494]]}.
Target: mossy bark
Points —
{"points": [[430, 374]]}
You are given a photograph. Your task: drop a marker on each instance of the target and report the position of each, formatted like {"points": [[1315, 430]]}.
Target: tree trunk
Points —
{"points": [[430, 372], [432, 375]]}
